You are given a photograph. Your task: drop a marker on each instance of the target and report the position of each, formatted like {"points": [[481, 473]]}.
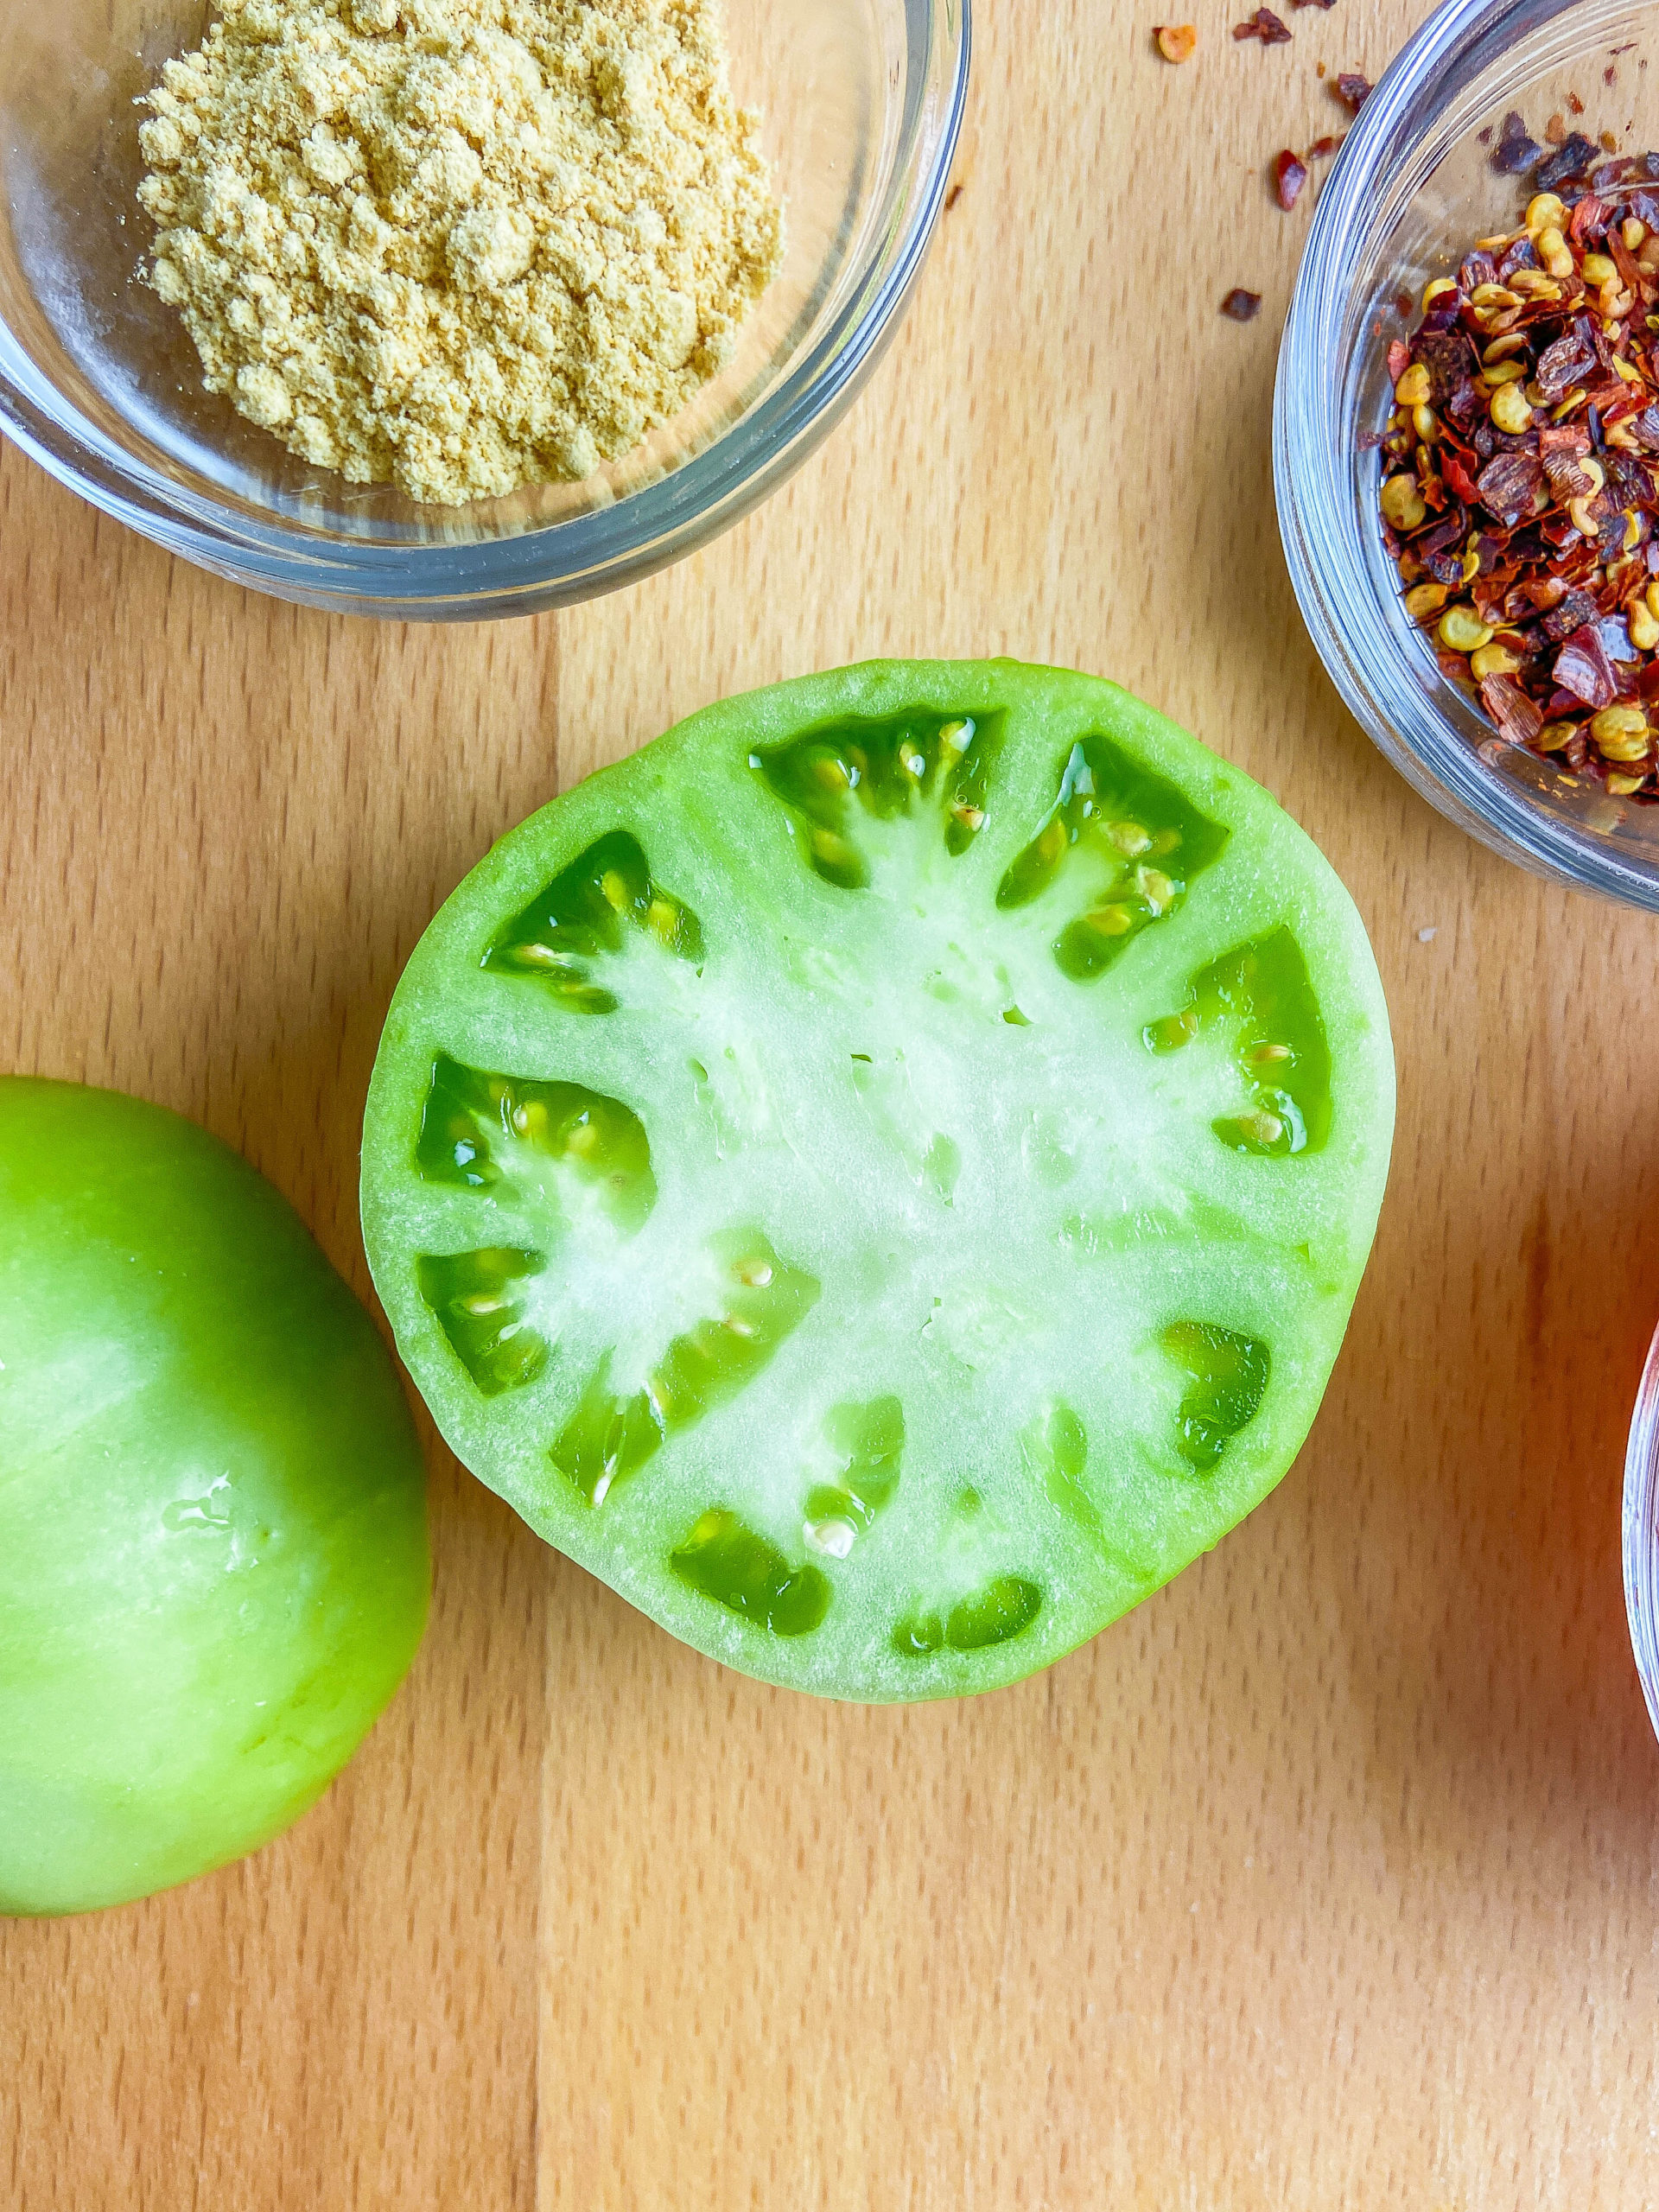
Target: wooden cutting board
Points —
{"points": [[1327, 1880]]}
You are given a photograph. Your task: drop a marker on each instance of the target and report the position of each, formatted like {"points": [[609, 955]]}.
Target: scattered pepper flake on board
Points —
{"points": [[1574, 104], [1556, 131], [1322, 148], [1289, 175], [1176, 41], [1353, 89], [1264, 25], [1520, 490], [1241, 306]]}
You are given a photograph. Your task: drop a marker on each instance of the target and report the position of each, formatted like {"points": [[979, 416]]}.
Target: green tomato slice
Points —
{"points": [[881, 1177], [212, 1508]]}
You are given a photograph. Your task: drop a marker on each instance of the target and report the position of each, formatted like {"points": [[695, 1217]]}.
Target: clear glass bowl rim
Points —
{"points": [[1641, 1532], [589, 553], [1311, 454]]}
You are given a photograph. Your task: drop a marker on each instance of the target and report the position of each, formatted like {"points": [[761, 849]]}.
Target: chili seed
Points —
{"points": [[1176, 41], [1462, 631], [1621, 732], [1402, 503]]}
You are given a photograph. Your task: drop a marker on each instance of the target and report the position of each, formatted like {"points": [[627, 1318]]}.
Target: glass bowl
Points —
{"points": [[1641, 1533], [1411, 189], [862, 102]]}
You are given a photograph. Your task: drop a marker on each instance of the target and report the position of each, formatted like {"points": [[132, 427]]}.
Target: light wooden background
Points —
{"points": [[1328, 1880]]}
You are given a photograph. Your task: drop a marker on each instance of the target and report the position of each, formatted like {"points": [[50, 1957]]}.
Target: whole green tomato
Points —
{"points": [[213, 1567]]}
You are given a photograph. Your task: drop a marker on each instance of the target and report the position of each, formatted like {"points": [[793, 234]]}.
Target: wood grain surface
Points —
{"points": [[1330, 1877]]}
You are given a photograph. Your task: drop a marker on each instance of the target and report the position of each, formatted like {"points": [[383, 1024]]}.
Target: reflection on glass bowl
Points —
{"points": [[1641, 1533]]}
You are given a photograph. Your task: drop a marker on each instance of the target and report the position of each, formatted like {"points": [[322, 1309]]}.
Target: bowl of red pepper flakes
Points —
{"points": [[1466, 430], [1521, 462]]}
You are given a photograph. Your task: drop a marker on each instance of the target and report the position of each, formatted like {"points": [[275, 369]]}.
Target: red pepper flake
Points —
{"points": [[1520, 494], [1589, 219], [1574, 104], [1515, 150], [1353, 89], [1321, 150], [1241, 306], [1264, 25], [1312, 3], [1574, 157], [1176, 41], [1583, 668], [1516, 716], [1289, 175], [1610, 74], [1556, 131]]}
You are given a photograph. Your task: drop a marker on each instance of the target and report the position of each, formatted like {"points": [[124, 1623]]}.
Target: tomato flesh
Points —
{"points": [[882, 1175], [213, 1539]]}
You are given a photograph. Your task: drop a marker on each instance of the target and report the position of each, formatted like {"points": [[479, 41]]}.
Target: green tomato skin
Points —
{"points": [[214, 1564]]}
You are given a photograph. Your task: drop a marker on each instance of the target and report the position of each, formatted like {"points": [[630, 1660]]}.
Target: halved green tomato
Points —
{"points": [[881, 1177]]}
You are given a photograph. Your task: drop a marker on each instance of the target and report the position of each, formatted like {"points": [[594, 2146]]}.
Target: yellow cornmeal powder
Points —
{"points": [[459, 244]]}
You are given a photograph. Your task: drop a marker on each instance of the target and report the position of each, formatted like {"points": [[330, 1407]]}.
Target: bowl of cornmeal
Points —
{"points": [[449, 308]]}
